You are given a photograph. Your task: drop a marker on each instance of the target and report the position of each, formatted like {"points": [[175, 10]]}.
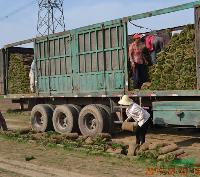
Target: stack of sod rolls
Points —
{"points": [[176, 64], [18, 74]]}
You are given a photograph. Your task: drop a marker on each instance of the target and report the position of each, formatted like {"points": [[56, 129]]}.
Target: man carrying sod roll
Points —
{"points": [[139, 115]]}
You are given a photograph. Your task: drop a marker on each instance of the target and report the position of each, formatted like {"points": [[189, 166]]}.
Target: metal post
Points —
{"points": [[197, 43], [140, 101]]}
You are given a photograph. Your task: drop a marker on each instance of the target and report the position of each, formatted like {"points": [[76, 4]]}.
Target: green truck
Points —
{"points": [[82, 73]]}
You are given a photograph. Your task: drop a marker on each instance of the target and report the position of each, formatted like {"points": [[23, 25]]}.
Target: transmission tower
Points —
{"points": [[50, 17]]}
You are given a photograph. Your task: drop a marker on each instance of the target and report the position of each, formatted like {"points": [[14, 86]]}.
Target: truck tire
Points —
{"points": [[53, 107], [109, 118], [92, 120], [76, 107], [65, 119], [76, 115], [41, 118]]}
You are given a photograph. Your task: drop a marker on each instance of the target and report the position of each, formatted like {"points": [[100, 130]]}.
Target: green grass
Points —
{"points": [[116, 145], [97, 149], [18, 112], [69, 145]]}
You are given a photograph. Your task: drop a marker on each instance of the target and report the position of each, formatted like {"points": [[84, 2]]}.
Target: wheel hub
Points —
{"points": [[91, 123], [63, 121], [39, 119]]}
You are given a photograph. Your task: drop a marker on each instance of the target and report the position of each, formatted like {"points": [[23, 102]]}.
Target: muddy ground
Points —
{"points": [[59, 162]]}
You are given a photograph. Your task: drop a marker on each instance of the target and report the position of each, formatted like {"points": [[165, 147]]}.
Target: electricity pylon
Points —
{"points": [[50, 17]]}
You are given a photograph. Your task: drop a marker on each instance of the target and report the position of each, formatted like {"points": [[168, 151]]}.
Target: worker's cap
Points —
{"points": [[125, 101], [136, 36]]}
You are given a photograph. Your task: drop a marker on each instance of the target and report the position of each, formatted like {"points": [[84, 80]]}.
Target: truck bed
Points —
{"points": [[134, 93]]}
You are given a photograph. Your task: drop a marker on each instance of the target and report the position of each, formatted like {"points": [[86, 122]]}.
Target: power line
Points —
{"points": [[139, 26], [18, 10]]}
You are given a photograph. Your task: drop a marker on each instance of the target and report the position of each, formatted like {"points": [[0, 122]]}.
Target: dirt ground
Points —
{"points": [[60, 162]]}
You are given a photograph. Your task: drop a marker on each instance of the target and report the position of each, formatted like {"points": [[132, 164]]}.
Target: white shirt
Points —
{"points": [[33, 66], [137, 113]]}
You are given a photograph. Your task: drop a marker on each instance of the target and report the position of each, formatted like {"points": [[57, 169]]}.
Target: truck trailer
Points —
{"points": [[82, 73]]}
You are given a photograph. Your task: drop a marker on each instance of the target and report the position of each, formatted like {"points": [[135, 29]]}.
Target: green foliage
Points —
{"points": [[116, 145], [52, 139], [176, 64], [18, 76], [97, 140], [50, 133]]}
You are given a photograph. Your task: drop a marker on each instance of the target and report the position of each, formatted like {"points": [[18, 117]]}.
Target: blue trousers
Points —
{"points": [[140, 132], [139, 76], [158, 44], [153, 57]]}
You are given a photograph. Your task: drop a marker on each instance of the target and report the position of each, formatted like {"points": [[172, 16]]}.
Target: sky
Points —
{"points": [[22, 24]]}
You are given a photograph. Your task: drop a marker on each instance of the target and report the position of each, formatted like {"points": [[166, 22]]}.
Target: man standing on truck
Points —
{"points": [[137, 61], [139, 115], [154, 44]]}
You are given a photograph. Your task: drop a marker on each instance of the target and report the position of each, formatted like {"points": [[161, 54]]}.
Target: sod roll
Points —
{"points": [[167, 149], [171, 155]]}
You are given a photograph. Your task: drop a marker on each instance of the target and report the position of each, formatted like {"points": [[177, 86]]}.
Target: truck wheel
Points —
{"points": [[76, 107], [53, 107], [92, 120], [76, 115], [41, 118], [109, 118], [65, 119]]}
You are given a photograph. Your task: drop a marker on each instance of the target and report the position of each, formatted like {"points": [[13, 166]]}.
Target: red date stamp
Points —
{"points": [[172, 171]]}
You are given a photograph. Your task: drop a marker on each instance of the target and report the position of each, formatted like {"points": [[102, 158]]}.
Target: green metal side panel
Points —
{"points": [[83, 61], [100, 59], [54, 65], [182, 113]]}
